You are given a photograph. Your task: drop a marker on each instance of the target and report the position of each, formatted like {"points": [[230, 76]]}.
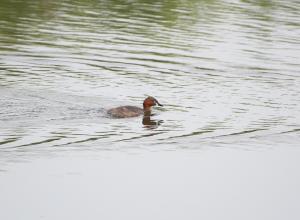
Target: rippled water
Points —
{"points": [[226, 71]]}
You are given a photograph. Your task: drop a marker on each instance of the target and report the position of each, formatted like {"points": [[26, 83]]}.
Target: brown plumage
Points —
{"points": [[132, 111]]}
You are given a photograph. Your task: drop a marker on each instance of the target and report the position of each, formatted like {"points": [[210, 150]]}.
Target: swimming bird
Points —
{"points": [[133, 111]]}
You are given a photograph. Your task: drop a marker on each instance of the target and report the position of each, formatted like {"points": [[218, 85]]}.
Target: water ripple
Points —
{"points": [[227, 73]]}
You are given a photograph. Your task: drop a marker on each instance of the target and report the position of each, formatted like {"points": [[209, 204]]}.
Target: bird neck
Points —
{"points": [[147, 109]]}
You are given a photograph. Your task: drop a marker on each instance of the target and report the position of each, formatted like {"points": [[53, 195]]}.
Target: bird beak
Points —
{"points": [[158, 103]]}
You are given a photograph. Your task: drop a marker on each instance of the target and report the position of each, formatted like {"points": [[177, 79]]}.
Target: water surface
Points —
{"points": [[226, 71]]}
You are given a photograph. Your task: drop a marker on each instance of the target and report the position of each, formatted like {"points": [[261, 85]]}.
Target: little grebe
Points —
{"points": [[132, 111]]}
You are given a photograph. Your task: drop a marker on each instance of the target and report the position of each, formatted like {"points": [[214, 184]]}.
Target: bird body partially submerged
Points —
{"points": [[125, 112], [132, 111]]}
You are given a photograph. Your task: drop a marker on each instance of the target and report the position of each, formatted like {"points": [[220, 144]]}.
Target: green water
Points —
{"points": [[227, 73]]}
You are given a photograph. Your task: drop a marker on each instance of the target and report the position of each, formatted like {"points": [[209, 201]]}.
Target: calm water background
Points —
{"points": [[224, 146]]}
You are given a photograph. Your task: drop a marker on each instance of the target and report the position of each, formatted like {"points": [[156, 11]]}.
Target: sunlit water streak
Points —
{"points": [[226, 71]]}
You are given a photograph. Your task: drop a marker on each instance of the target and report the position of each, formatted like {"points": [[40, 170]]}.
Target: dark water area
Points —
{"points": [[227, 73]]}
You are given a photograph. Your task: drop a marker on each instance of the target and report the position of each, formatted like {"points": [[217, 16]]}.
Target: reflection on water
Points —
{"points": [[227, 71], [149, 122]]}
